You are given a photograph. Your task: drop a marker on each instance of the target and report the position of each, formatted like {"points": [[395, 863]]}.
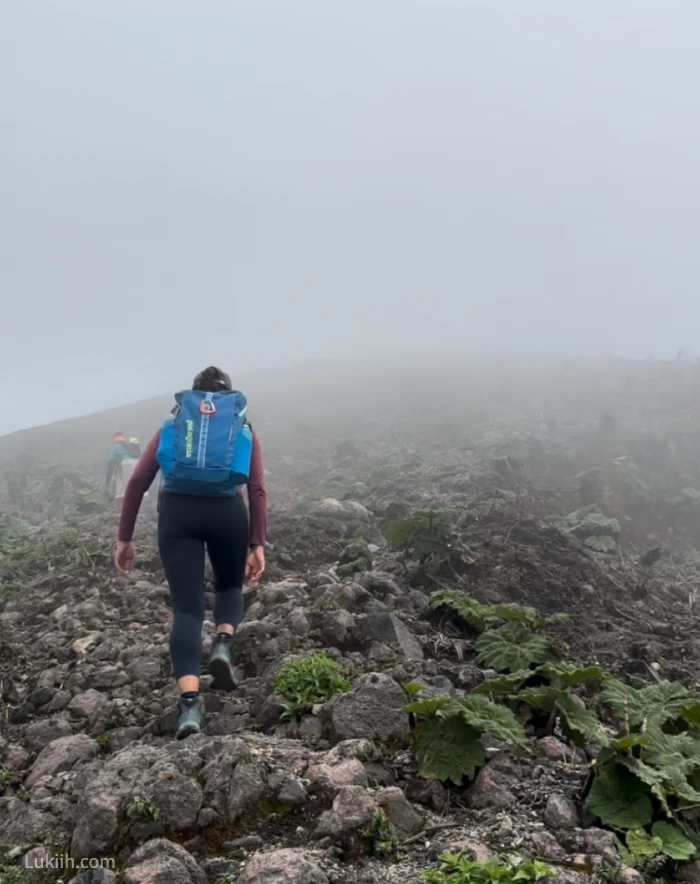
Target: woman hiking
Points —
{"points": [[206, 450]]}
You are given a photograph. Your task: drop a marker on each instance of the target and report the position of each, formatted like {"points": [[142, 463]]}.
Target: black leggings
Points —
{"points": [[185, 525]]}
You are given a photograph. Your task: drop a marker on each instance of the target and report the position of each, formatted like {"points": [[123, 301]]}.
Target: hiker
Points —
{"points": [[124, 454], [206, 450]]}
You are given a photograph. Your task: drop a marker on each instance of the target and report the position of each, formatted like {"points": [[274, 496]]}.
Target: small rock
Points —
{"points": [[561, 812], [36, 860], [479, 851], [179, 799], [547, 845], [345, 511], [552, 748], [401, 815], [82, 645], [331, 777], [627, 875], [47, 679], [310, 728], [386, 628], [88, 704], [60, 755], [271, 711], [492, 786], [292, 793], [220, 870], [285, 866], [16, 757], [430, 793], [689, 873], [96, 876], [145, 670], [59, 701], [569, 876], [353, 808], [600, 842], [335, 627], [60, 613], [379, 775], [371, 710], [163, 862], [298, 622], [40, 733]]}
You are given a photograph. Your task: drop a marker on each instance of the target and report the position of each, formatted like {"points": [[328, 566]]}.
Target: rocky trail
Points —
{"points": [[337, 790]]}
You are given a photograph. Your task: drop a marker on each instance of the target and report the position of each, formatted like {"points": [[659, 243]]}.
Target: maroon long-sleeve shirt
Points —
{"points": [[147, 469]]}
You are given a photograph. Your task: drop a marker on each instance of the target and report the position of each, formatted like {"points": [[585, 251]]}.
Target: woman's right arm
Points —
{"points": [[141, 480]]}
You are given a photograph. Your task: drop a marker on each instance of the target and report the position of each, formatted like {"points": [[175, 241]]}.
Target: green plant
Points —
{"points": [[662, 703], [12, 531], [513, 647], [11, 871], [601, 543], [650, 853], [34, 555], [143, 809], [104, 741], [323, 604], [380, 836], [334, 487], [447, 732], [11, 589], [463, 868], [361, 563], [426, 536], [647, 777], [480, 616], [591, 526], [548, 690], [510, 647], [4, 780], [309, 680], [89, 501]]}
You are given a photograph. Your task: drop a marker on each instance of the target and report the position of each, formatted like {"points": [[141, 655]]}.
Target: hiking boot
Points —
{"points": [[191, 712], [220, 664]]}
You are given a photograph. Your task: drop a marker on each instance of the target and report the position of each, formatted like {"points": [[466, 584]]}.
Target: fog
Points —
{"points": [[255, 184]]}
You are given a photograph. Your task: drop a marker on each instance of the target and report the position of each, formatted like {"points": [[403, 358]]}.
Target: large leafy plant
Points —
{"points": [[505, 647], [431, 538], [549, 692], [479, 615], [513, 647], [647, 777], [447, 734], [589, 525]]}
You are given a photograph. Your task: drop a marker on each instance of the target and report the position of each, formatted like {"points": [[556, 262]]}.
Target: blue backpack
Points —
{"points": [[206, 444]]}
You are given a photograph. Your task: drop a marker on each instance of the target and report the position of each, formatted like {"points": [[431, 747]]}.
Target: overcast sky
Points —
{"points": [[251, 182]]}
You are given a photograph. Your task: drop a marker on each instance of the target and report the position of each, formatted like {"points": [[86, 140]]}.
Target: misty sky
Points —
{"points": [[261, 182]]}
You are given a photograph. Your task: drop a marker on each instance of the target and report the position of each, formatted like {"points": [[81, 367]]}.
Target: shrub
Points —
{"points": [[462, 868], [307, 681]]}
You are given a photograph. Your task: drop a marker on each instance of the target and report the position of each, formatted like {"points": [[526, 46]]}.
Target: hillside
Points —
{"points": [[510, 548], [327, 396]]}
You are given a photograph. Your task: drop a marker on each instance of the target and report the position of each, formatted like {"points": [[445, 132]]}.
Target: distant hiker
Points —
{"points": [[124, 454], [206, 450]]}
